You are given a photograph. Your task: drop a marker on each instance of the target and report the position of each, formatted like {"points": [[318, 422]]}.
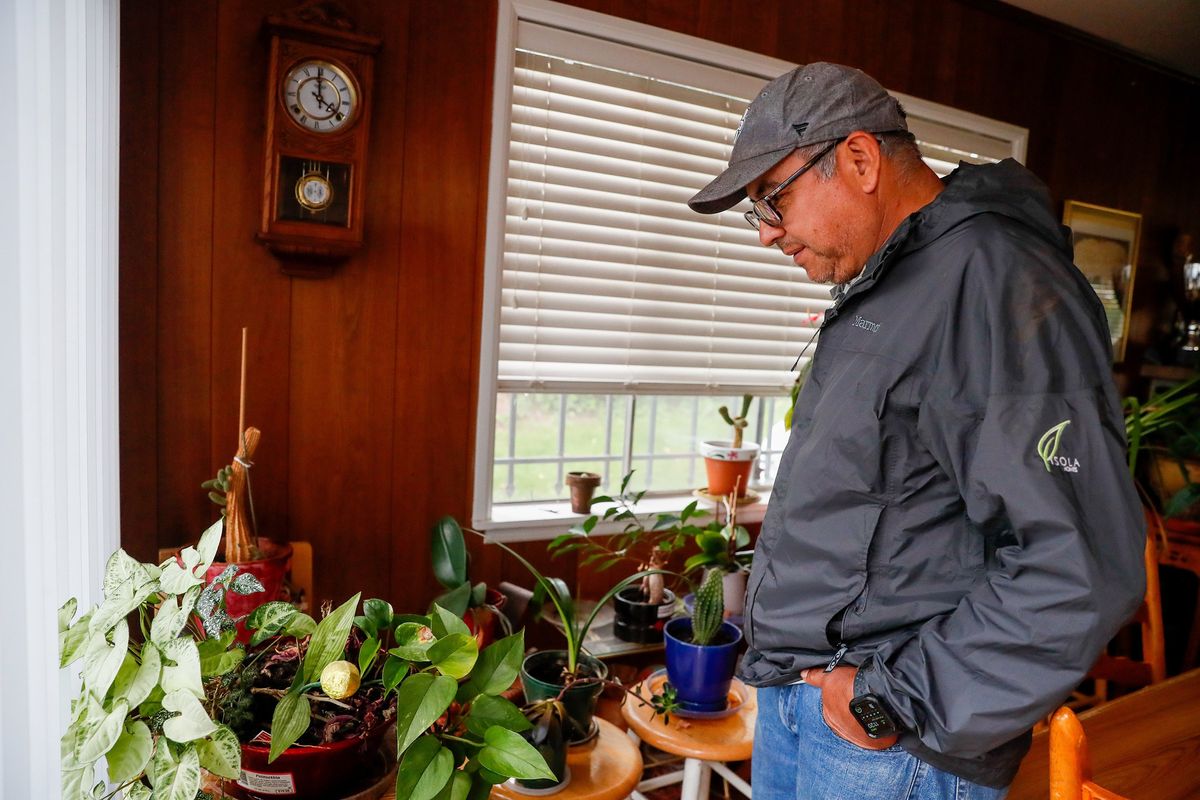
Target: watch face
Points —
{"points": [[319, 96]]}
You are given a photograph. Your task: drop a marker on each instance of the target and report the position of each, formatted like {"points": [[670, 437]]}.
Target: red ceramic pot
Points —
{"points": [[316, 772], [270, 571], [482, 621]]}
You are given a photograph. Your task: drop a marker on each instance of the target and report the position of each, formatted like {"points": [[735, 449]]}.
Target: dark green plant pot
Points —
{"points": [[541, 676], [547, 737]]}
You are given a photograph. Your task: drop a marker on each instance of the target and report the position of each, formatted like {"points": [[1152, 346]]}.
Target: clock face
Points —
{"points": [[319, 96]]}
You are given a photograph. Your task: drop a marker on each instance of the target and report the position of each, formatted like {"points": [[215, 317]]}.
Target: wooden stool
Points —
{"points": [[705, 744], [607, 768]]}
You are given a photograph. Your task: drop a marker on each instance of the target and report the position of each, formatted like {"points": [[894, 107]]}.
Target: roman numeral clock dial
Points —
{"points": [[318, 120], [319, 96]]}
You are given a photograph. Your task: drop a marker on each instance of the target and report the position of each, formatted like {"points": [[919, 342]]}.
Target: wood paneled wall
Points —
{"points": [[364, 384]]}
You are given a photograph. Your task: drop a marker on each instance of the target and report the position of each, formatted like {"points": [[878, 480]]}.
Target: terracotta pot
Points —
{"points": [[270, 571], [583, 486], [728, 466]]}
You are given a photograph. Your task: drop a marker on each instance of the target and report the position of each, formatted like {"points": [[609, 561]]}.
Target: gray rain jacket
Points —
{"points": [[953, 504]]}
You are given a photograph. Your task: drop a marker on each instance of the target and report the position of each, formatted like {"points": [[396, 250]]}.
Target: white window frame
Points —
{"points": [[534, 521]]}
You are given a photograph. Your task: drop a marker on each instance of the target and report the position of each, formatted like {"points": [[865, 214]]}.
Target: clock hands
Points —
{"points": [[319, 94]]}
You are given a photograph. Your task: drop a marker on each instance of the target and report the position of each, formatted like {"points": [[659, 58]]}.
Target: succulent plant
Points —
{"points": [[710, 608], [739, 422]]}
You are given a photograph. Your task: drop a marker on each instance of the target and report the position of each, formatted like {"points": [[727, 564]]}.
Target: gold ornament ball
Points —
{"points": [[340, 679]]}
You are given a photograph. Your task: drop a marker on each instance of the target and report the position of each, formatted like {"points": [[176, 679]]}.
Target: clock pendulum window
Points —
{"points": [[318, 114]]}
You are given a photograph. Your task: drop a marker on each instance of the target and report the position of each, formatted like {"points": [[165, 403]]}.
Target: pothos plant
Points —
{"points": [[456, 735], [141, 700]]}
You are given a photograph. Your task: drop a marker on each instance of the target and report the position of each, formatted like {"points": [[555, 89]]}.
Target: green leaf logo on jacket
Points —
{"points": [[1047, 449]]}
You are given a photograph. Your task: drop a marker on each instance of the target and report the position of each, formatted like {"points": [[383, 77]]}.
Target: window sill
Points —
{"points": [[533, 522]]}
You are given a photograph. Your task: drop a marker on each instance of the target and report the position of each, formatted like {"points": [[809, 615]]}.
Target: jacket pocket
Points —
{"points": [[816, 567], [842, 627]]}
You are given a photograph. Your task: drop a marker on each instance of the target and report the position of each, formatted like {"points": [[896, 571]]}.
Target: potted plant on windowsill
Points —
{"points": [[729, 462], [722, 547], [701, 651], [645, 542]]}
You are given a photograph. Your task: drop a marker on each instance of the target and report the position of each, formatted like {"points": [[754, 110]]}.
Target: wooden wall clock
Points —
{"points": [[319, 90]]}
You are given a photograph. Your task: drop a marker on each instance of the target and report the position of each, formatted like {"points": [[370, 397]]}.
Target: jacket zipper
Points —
{"points": [[837, 657]]}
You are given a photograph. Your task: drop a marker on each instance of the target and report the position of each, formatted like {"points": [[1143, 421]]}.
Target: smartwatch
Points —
{"points": [[869, 709], [873, 715]]}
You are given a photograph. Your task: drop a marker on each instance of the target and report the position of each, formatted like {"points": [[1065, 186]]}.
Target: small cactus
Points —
{"points": [[710, 608], [739, 422]]}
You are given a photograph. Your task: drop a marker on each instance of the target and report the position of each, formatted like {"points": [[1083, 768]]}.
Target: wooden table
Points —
{"points": [[1143, 745], [607, 768]]}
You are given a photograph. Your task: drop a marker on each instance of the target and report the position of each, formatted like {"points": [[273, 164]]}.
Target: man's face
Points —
{"points": [[826, 227]]}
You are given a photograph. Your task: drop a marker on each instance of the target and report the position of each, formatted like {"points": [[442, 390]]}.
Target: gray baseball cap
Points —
{"points": [[811, 104]]}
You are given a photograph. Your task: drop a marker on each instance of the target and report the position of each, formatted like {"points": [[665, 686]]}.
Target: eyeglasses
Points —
{"points": [[764, 209]]}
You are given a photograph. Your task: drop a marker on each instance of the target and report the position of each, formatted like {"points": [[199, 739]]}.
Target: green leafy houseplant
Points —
{"points": [[634, 545], [1167, 427], [472, 601], [351, 676], [721, 544], [141, 701], [569, 674]]}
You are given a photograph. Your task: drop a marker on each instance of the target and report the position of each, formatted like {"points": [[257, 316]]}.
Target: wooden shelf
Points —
{"points": [[1167, 372]]}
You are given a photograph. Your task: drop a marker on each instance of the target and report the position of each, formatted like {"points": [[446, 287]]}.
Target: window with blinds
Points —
{"points": [[608, 298], [610, 282]]}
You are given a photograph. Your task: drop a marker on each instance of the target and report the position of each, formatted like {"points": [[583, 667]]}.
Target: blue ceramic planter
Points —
{"points": [[701, 674]]}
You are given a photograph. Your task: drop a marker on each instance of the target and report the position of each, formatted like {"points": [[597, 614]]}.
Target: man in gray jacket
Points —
{"points": [[953, 535]]}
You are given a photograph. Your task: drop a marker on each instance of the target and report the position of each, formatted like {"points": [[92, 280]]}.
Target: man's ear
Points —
{"points": [[863, 160]]}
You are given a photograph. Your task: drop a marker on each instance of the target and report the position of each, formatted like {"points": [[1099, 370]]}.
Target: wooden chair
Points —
{"points": [[1070, 768], [1151, 668]]}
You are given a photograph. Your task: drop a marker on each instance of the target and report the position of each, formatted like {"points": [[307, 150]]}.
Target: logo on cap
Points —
{"points": [[741, 123]]}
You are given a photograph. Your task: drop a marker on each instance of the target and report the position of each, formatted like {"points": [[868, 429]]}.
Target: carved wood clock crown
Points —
{"points": [[319, 92]]}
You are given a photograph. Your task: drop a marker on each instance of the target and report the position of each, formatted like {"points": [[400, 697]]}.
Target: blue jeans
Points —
{"points": [[797, 756]]}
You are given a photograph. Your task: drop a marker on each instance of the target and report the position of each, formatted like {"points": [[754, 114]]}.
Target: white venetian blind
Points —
{"points": [[610, 283]]}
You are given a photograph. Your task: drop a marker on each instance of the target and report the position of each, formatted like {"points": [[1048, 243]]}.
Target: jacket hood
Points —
{"points": [[1004, 188]]}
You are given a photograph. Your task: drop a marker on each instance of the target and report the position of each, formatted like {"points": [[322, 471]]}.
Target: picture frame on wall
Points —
{"points": [[1106, 247]]}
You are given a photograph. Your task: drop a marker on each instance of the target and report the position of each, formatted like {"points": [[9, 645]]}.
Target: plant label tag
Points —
{"points": [[280, 783]]}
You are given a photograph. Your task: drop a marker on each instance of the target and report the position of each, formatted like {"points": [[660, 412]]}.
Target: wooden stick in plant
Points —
{"points": [[239, 542], [242, 392]]}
